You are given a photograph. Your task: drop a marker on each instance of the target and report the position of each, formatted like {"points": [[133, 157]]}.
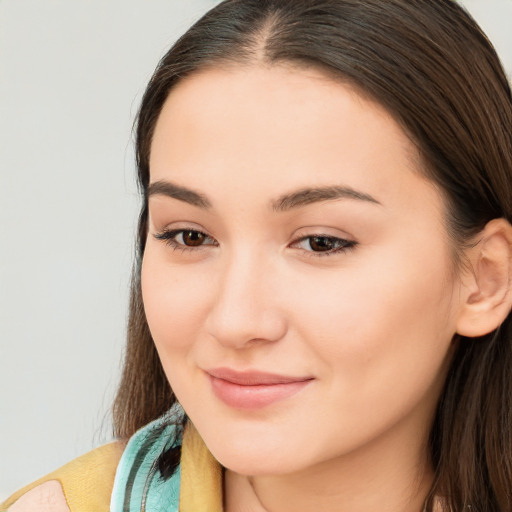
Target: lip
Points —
{"points": [[253, 389]]}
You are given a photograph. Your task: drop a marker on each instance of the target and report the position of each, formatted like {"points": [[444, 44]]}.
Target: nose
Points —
{"points": [[246, 309]]}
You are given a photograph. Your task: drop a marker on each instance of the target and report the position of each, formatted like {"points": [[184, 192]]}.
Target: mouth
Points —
{"points": [[253, 389]]}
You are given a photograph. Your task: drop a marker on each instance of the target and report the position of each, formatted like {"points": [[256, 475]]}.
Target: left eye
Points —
{"points": [[324, 244]]}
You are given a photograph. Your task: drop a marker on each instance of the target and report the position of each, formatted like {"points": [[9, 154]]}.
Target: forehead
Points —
{"points": [[279, 127]]}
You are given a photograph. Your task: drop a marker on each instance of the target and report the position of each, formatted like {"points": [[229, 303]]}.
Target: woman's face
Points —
{"points": [[297, 277]]}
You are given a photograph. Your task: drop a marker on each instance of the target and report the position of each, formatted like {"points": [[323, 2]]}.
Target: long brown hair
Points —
{"points": [[431, 66]]}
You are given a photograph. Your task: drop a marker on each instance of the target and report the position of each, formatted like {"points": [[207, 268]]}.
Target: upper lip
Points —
{"points": [[253, 377]]}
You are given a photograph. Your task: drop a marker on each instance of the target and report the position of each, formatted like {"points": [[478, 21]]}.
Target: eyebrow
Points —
{"points": [[166, 188], [307, 196], [286, 202]]}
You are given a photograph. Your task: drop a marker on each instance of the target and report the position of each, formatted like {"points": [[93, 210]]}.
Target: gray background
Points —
{"points": [[71, 76]]}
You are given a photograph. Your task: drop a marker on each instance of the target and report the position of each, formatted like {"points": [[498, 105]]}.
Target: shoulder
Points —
{"points": [[84, 484], [46, 497], [113, 478]]}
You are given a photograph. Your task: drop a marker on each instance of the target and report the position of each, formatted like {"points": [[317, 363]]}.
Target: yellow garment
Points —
{"points": [[201, 475], [87, 481]]}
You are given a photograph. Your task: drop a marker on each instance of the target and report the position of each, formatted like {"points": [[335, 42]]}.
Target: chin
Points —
{"points": [[264, 456], [250, 465]]}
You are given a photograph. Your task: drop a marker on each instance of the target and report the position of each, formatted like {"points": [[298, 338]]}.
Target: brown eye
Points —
{"points": [[185, 239], [322, 243], [193, 238]]}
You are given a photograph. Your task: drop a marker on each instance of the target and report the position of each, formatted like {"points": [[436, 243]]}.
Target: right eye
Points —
{"points": [[185, 239]]}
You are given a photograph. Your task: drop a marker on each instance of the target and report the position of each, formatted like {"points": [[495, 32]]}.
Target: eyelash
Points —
{"points": [[169, 237]]}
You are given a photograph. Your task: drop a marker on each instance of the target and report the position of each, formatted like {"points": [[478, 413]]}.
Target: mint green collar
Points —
{"points": [[138, 486]]}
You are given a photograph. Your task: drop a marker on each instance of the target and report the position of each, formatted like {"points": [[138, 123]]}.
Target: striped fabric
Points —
{"points": [[138, 485], [106, 481]]}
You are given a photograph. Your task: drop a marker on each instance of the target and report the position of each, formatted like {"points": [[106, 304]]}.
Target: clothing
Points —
{"points": [[116, 478], [195, 486], [87, 481]]}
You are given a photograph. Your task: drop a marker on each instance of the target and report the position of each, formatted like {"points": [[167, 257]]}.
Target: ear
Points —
{"points": [[486, 287]]}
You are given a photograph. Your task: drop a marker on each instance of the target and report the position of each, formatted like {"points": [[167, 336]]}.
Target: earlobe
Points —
{"points": [[487, 293]]}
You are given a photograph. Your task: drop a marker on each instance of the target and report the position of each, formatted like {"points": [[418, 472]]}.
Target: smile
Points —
{"points": [[253, 390]]}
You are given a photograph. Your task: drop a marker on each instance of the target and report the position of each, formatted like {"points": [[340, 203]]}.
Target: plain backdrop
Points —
{"points": [[71, 77]]}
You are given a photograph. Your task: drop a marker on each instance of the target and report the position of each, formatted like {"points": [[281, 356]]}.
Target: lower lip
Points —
{"points": [[254, 397]]}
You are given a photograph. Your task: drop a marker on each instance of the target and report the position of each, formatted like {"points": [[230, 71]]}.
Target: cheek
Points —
{"points": [[175, 299], [388, 320], [382, 343]]}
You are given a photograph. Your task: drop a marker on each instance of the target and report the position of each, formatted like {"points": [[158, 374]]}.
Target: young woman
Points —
{"points": [[320, 314]]}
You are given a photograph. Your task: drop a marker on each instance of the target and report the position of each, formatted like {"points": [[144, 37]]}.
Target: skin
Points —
{"points": [[372, 326], [47, 497]]}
